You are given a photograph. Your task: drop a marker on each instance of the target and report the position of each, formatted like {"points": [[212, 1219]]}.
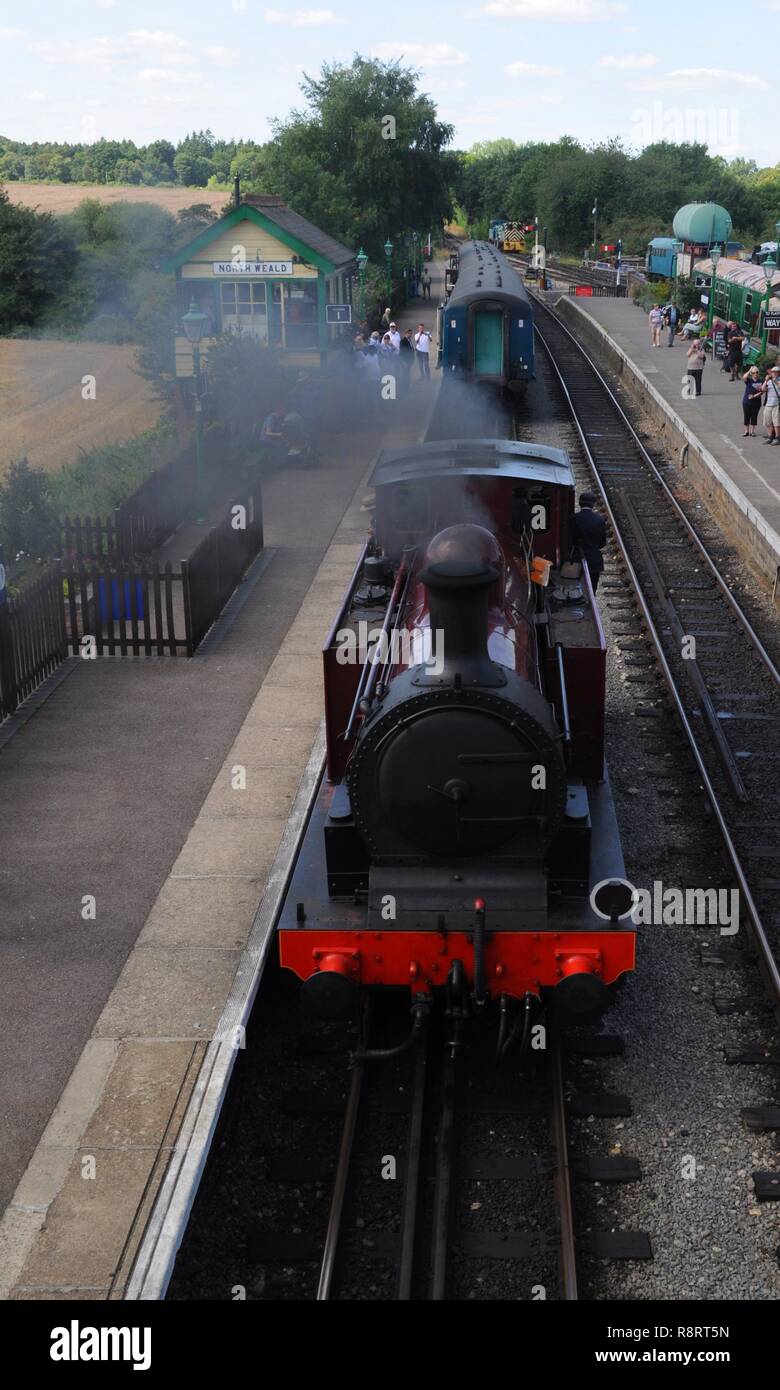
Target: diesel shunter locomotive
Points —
{"points": [[466, 815]]}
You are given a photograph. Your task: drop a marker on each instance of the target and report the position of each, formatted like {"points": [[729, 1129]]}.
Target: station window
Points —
{"points": [[244, 308]]}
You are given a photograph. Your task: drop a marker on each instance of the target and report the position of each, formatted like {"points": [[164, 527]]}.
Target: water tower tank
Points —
{"points": [[705, 223]]}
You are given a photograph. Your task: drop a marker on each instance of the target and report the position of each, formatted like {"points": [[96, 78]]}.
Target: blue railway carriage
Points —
{"points": [[486, 330], [661, 258]]}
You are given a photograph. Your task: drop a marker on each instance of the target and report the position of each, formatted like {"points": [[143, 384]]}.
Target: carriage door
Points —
{"points": [[489, 343]]}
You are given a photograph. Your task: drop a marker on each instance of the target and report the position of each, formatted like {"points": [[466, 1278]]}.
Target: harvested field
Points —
{"points": [[41, 407], [65, 197]]}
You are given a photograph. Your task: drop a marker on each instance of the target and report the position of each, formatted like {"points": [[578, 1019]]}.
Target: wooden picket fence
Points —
{"points": [[126, 610], [88, 604], [33, 641]]}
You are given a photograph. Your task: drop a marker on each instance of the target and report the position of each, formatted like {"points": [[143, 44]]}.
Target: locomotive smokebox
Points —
{"points": [[458, 604]]}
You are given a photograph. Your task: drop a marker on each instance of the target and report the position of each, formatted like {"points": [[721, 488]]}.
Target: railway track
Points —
{"points": [[721, 681], [572, 275], [469, 1210]]}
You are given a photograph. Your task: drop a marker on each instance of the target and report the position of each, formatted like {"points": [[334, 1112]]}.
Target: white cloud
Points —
{"points": [[11, 33], [303, 19], [173, 75], [36, 96], [216, 53], [701, 79], [105, 51], [423, 55], [626, 62], [575, 11], [532, 70]]}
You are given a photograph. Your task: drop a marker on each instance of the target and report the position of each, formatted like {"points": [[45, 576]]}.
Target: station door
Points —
{"points": [[489, 343]]}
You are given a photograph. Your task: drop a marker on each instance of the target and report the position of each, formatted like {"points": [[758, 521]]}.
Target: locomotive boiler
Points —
{"points": [[466, 816]]}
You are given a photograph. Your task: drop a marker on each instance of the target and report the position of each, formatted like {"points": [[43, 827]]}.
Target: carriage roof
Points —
{"points": [[535, 463], [484, 273]]}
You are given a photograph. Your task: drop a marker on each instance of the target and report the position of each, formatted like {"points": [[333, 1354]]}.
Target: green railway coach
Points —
{"points": [[739, 293]]}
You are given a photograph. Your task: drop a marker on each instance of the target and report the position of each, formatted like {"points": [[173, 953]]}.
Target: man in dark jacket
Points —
{"points": [[589, 531]]}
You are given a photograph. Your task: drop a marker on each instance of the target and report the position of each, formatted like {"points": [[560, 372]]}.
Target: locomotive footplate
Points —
{"points": [[424, 898], [552, 933]]}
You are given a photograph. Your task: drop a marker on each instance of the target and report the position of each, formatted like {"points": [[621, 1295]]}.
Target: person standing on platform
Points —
{"points": [[406, 359], [395, 337], [387, 315], [426, 284], [771, 394], [671, 319], [422, 344], [751, 400], [655, 318], [589, 532], [733, 362], [697, 360]]}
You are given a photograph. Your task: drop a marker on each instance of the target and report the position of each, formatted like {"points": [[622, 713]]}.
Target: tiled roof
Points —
{"points": [[276, 210]]}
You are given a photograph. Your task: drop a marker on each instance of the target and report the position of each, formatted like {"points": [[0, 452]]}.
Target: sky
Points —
{"points": [[527, 69]]}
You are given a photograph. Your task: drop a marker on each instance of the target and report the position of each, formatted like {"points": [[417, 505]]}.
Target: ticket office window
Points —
{"points": [[296, 315], [245, 308]]}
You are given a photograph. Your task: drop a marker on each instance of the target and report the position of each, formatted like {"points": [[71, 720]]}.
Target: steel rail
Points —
{"points": [[693, 534], [766, 956], [562, 1174], [445, 1174], [411, 1204], [335, 1218]]}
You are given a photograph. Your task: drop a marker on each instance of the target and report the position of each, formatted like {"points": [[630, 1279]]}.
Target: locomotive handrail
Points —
{"points": [[564, 695], [371, 664]]}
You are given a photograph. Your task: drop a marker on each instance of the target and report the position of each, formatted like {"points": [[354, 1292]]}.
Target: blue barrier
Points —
{"points": [[121, 607]]}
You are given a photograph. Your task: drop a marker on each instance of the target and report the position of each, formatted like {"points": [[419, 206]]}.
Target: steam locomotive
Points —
{"points": [[465, 817]]}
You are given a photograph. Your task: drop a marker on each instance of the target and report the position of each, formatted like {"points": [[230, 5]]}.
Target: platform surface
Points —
{"points": [[715, 417], [121, 786]]}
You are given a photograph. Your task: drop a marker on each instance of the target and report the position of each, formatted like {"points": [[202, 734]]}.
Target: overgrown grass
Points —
{"points": [[101, 478]]}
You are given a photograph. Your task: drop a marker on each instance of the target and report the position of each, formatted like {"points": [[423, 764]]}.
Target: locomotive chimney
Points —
{"points": [[458, 605]]}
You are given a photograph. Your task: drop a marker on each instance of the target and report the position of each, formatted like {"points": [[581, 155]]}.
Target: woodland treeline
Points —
{"points": [[337, 161]]}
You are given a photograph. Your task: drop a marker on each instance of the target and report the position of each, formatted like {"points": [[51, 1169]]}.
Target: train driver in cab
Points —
{"points": [[589, 532]]}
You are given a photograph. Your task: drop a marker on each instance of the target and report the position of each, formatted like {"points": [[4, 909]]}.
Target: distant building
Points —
{"points": [[262, 269]]}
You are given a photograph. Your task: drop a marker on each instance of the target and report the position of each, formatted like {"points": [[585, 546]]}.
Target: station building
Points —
{"points": [[264, 270]]}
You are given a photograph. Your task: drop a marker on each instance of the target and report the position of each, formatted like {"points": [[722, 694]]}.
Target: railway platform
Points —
{"points": [[738, 478], [159, 789]]}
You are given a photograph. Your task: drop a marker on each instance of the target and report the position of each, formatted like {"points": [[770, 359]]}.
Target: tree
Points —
{"points": [[354, 170], [245, 382], [37, 258], [28, 525]]}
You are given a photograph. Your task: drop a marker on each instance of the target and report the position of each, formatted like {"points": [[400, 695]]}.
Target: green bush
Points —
{"points": [[687, 296], [28, 522], [244, 382], [653, 292]]}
